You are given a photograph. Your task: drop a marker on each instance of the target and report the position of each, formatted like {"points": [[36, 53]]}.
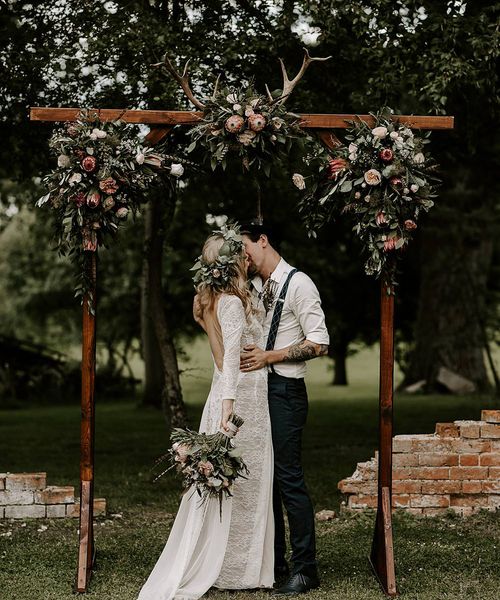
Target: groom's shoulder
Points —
{"points": [[302, 282]]}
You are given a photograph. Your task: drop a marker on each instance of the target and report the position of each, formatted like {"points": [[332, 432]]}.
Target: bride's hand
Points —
{"points": [[227, 409]]}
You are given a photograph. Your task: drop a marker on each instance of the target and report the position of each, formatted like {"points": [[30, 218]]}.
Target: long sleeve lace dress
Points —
{"points": [[237, 551]]}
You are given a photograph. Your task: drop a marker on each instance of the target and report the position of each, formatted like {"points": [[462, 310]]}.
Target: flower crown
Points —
{"points": [[218, 273]]}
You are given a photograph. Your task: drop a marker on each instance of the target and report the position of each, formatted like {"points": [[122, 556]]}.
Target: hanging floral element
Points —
{"points": [[101, 175], [258, 129], [384, 179]]}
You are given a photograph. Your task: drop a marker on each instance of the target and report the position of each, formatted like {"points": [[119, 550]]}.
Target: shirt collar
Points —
{"points": [[282, 269]]}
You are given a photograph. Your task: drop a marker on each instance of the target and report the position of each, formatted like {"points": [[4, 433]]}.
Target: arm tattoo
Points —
{"points": [[305, 351]]}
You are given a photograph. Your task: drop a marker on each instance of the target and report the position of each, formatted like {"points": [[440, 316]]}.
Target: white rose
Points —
{"points": [[379, 132], [249, 111], [176, 170], [352, 148], [140, 158], [299, 181], [221, 220], [63, 161], [99, 133], [75, 178], [393, 135], [419, 158], [373, 177], [353, 156], [414, 188], [93, 136], [236, 107]]}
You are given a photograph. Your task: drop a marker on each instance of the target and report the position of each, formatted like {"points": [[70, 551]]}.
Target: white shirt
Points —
{"points": [[302, 317]]}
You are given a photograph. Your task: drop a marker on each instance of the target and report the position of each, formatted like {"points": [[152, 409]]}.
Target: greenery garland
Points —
{"points": [[384, 178], [102, 174], [256, 128]]}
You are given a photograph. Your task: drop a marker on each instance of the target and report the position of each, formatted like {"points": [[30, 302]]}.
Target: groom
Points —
{"points": [[295, 330]]}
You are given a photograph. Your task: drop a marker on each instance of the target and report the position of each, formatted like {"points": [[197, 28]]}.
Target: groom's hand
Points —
{"points": [[253, 358]]}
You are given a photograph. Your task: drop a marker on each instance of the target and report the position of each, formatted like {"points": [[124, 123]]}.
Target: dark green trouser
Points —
{"points": [[288, 411]]}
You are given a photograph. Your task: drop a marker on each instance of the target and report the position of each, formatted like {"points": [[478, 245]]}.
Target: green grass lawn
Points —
{"points": [[436, 559]]}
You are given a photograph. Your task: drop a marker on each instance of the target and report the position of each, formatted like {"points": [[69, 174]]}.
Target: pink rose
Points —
{"points": [[256, 122], [205, 467], [122, 212], [380, 219], [386, 155], [410, 225], [396, 182], [182, 452], [234, 124], [89, 164], [93, 199], [108, 203], [108, 185], [372, 177]]}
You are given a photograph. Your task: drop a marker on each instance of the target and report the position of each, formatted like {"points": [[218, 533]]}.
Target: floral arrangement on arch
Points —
{"points": [[257, 128], [384, 177], [102, 173]]}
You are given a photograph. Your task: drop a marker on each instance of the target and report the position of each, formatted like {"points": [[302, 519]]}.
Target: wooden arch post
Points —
{"points": [[161, 122]]}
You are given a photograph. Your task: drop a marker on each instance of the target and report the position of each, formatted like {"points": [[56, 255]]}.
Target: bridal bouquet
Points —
{"points": [[208, 464]]}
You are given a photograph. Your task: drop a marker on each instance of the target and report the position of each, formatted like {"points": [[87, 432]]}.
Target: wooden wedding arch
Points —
{"points": [[161, 122]]}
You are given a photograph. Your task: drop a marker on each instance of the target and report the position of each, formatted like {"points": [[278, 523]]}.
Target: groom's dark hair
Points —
{"points": [[254, 229]]}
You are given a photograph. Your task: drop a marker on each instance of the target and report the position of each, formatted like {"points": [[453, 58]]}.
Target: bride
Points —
{"points": [[235, 551]]}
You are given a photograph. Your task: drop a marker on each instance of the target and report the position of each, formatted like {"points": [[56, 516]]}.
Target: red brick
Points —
{"points": [[473, 500], [494, 502], [406, 487], [368, 469], [432, 443], [405, 460], [491, 487], [468, 429], [430, 501], [469, 460], [441, 487], [56, 511], [402, 443], [468, 472], [447, 430], [356, 486], [490, 430], [31, 511], [471, 487], [438, 460], [25, 481], [463, 446], [494, 472], [490, 459], [430, 472], [362, 501], [401, 473], [15, 497], [490, 416], [400, 500], [55, 495], [434, 512]]}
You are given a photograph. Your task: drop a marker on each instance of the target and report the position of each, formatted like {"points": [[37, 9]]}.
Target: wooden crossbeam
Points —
{"points": [[180, 117]]}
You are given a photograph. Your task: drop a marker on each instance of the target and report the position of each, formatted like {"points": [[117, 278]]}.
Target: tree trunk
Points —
{"points": [[153, 365], [159, 214], [339, 355], [449, 329]]}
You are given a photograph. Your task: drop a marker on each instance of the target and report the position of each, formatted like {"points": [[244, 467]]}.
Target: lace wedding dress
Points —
{"points": [[237, 551]]}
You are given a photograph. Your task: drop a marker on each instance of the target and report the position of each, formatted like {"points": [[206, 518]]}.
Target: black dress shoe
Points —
{"points": [[297, 584], [281, 572]]}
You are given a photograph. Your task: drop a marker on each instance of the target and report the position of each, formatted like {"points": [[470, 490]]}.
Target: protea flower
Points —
{"points": [[335, 166], [234, 124], [93, 199], [386, 155], [256, 122]]}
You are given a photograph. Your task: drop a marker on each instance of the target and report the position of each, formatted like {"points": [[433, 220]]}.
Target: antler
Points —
{"points": [[182, 80], [288, 85]]}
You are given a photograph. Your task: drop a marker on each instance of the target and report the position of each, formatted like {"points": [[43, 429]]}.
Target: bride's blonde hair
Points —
{"points": [[236, 282]]}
